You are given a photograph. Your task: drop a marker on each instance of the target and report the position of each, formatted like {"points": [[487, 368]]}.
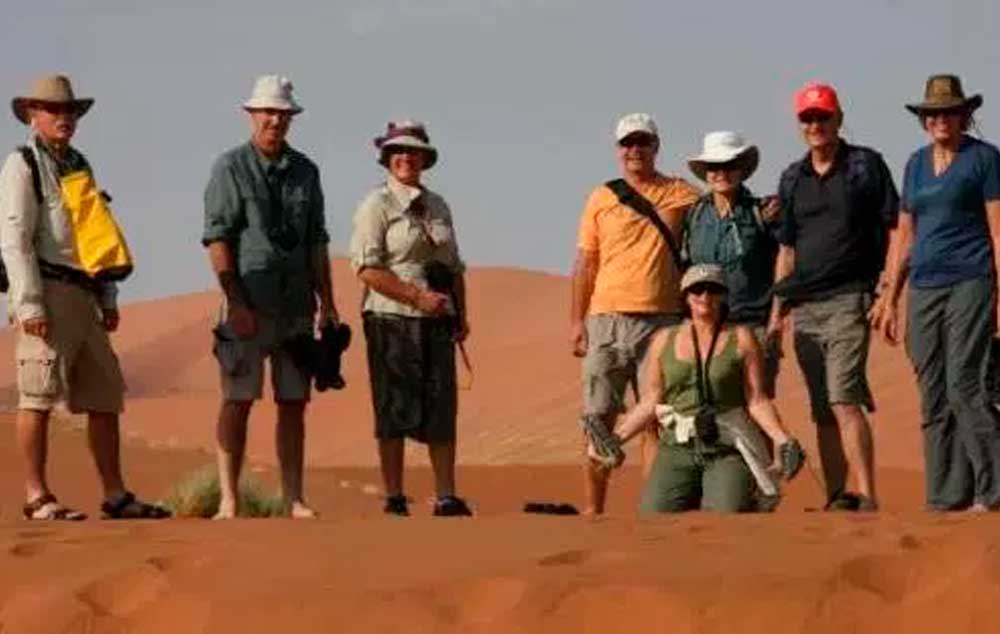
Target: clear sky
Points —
{"points": [[520, 96]]}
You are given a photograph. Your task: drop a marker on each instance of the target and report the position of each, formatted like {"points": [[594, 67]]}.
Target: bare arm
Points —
{"points": [[385, 282], [240, 316], [584, 276], [644, 412], [324, 284], [884, 314], [993, 220], [784, 264], [463, 313], [761, 408]]}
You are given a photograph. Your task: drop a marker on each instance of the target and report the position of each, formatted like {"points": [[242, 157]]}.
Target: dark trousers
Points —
{"points": [[949, 338]]}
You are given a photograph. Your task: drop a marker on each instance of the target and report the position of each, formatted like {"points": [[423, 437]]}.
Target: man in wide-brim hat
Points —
{"points": [[63, 354]]}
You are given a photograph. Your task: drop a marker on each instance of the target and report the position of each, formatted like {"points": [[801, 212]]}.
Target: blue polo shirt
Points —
{"points": [[952, 241]]}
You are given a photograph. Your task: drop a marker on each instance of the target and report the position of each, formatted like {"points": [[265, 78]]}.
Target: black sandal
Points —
{"points": [[129, 508], [396, 505], [451, 506], [48, 508]]}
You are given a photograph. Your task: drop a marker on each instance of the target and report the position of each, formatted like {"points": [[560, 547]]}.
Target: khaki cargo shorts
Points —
{"points": [[76, 364], [831, 342], [241, 361], [616, 345]]}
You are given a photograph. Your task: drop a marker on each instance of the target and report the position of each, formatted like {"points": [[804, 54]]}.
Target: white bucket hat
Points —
{"points": [[272, 92], [635, 122], [405, 133], [723, 147]]}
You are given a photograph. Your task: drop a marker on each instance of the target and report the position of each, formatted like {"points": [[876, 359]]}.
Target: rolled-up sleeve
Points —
{"points": [[223, 207], [368, 236], [19, 213]]}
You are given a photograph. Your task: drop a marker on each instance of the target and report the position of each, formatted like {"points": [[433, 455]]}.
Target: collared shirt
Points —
{"points": [[838, 223], [636, 272], [30, 232], [271, 215], [952, 241], [402, 228], [743, 245]]}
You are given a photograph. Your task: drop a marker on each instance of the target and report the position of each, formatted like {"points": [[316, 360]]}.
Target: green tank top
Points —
{"points": [[680, 377]]}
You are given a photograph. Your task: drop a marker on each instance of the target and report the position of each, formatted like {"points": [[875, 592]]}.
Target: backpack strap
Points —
{"points": [[638, 203], [36, 175]]}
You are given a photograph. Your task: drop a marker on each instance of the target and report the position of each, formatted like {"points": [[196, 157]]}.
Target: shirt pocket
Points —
{"points": [[38, 374]]}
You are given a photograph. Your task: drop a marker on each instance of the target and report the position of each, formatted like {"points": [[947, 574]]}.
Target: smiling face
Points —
{"points": [[406, 165], [54, 122], [269, 129], [724, 178], [945, 127], [637, 154], [705, 300], [820, 128]]}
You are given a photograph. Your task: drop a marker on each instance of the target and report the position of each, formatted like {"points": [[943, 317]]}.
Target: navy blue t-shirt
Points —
{"points": [[952, 242]]}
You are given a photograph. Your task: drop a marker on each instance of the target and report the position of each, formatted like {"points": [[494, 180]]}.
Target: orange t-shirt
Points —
{"points": [[636, 272]]}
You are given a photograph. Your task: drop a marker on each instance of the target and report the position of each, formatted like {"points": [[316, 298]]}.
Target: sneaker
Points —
{"points": [[451, 506], [843, 501], [396, 505]]}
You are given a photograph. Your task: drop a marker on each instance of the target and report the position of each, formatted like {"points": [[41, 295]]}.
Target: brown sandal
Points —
{"points": [[47, 508]]}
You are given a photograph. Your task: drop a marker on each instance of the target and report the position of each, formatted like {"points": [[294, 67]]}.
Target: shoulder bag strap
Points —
{"points": [[703, 383], [36, 176], [638, 203]]}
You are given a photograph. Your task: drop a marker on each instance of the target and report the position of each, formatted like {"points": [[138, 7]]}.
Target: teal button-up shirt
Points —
{"points": [[270, 213]]}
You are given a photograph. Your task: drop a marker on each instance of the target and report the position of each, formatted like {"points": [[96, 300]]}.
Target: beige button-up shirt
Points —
{"points": [[389, 233], [29, 232]]}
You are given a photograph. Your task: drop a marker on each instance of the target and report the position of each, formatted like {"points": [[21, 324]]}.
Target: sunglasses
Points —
{"points": [[705, 287], [638, 140], [815, 117], [55, 108], [728, 166], [944, 112]]}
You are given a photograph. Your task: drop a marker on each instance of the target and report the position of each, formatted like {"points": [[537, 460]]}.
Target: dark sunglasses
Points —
{"points": [[815, 117], [638, 140], [728, 166], [943, 112], [705, 287]]}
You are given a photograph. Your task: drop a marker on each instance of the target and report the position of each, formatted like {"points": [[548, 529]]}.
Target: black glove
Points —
{"points": [[792, 458]]}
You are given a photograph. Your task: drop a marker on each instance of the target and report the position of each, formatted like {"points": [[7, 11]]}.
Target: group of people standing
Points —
{"points": [[698, 285], [701, 286]]}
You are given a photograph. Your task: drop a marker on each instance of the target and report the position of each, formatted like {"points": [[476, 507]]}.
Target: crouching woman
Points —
{"points": [[704, 384]]}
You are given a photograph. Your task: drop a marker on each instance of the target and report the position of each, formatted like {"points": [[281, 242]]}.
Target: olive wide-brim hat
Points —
{"points": [[49, 89], [944, 92]]}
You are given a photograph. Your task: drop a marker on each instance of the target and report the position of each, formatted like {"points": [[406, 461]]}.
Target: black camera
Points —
{"points": [[706, 426]]}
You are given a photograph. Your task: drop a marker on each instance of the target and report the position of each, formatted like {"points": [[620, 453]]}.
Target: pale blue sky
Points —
{"points": [[520, 96]]}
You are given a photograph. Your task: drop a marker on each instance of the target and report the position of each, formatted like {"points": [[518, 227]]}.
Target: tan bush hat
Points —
{"points": [[405, 133], [944, 92], [49, 89], [272, 92], [704, 274]]}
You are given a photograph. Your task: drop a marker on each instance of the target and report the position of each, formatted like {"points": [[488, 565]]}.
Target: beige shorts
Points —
{"points": [[76, 364]]}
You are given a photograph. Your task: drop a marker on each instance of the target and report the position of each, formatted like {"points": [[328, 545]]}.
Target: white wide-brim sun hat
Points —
{"points": [[722, 147]]}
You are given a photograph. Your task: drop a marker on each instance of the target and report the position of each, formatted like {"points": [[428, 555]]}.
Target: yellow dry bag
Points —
{"points": [[99, 241]]}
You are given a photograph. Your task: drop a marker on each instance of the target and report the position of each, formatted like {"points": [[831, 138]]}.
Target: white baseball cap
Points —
{"points": [[635, 122]]}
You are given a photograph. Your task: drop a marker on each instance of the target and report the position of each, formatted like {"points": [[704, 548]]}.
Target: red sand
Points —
{"points": [[355, 570]]}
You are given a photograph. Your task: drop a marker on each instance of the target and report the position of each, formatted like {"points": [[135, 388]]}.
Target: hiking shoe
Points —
{"points": [[843, 501], [396, 505], [451, 506]]}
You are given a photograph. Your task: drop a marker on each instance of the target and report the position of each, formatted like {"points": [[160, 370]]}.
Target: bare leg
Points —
{"points": [[831, 456], [231, 441], [105, 446], [649, 448], [290, 443], [442, 457], [390, 453], [858, 446], [33, 441], [596, 478]]}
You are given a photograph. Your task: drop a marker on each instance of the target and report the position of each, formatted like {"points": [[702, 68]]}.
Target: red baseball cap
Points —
{"points": [[817, 96]]}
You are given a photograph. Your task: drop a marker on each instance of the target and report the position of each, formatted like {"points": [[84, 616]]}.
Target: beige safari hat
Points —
{"points": [[405, 133], [703, 274], [49, 89]]}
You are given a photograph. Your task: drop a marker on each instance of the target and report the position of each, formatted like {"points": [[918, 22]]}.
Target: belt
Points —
{"points": [[68, 275]]}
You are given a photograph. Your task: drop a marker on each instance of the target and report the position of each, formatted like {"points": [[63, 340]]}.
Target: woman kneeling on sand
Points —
{"points": [[711, 454]]}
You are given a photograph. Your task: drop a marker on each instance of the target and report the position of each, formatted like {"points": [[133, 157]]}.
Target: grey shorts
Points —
{"points": [[831, 342], [241, 361], [616, 345]]}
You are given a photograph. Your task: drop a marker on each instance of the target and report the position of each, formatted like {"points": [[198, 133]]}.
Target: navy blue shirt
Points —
{"points": [[743, 245], [952, 242], [838, 223]]}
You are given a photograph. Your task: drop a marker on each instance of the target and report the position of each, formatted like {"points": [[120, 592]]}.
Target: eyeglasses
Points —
{"points": [[705, 287], [728, 166], [638, 140], [815, 117]]}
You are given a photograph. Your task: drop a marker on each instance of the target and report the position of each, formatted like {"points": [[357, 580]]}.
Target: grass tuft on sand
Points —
{"points": [[197, 495]]}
